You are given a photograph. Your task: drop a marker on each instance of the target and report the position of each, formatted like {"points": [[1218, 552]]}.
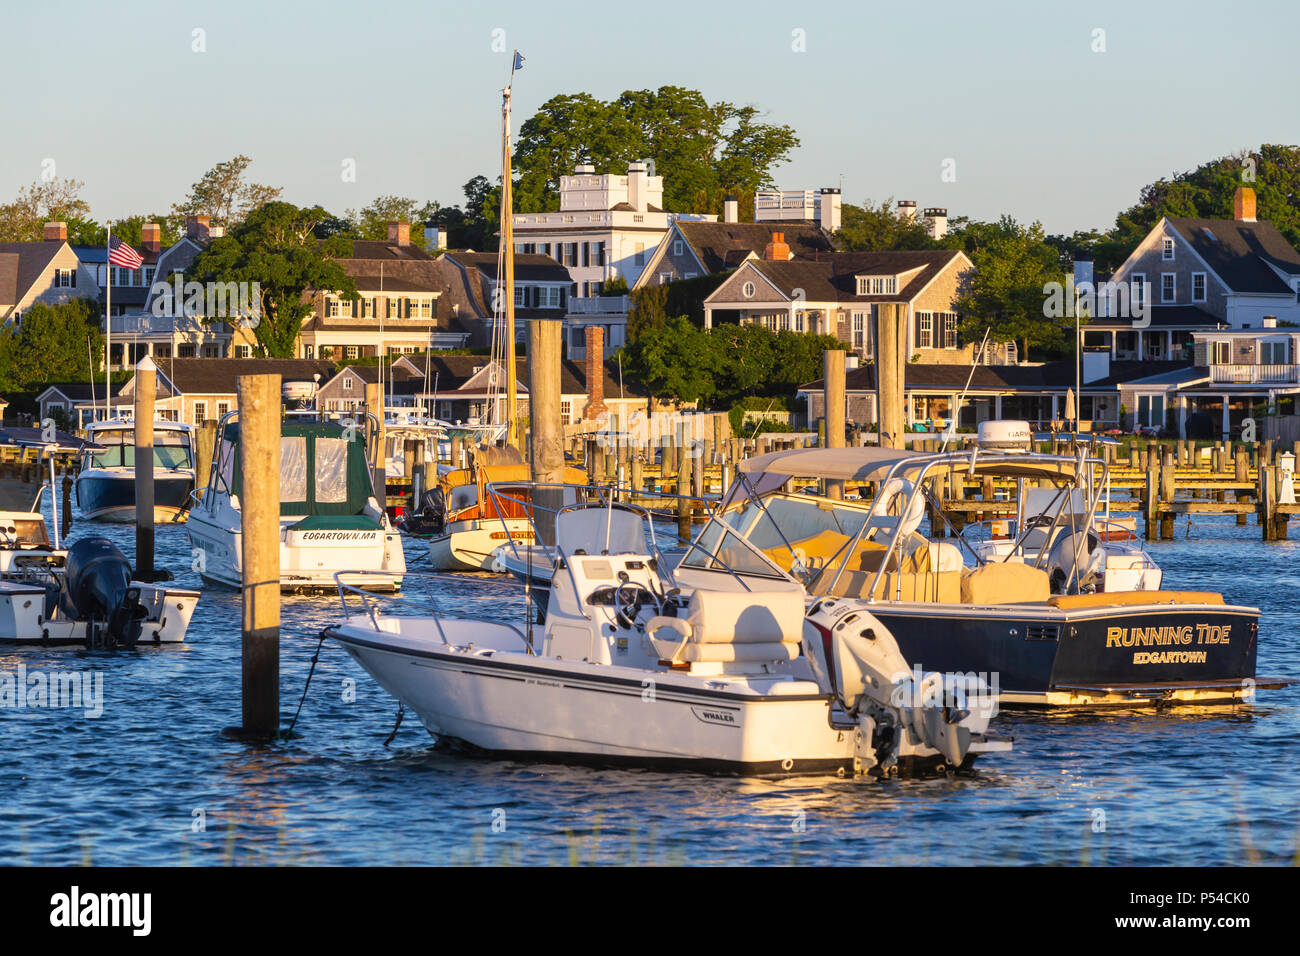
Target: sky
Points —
{"points": [[1030, 109]]}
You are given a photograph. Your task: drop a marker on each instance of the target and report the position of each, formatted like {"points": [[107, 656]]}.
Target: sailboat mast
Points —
{"points": [[508, 250]]}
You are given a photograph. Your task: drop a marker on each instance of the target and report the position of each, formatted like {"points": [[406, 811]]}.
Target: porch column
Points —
{"points": [[997, 408], [1140, 354], [1181, 402], [1227, 425], [708, 316]]}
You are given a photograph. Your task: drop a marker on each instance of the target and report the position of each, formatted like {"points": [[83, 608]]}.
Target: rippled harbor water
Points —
{"points": [[151, 781]]}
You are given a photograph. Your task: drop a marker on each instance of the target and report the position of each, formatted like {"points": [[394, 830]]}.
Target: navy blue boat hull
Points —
{"points": [[111, 497]]}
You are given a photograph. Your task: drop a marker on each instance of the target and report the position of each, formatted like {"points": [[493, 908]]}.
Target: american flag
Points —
{"points": [[120, 254]]}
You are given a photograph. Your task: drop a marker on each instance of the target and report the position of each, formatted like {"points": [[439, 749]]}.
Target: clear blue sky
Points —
{"points": [[1039, 125]]}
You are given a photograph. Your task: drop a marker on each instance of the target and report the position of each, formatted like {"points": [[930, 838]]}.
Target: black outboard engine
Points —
{"points": [[97, 589], [431, 517]]}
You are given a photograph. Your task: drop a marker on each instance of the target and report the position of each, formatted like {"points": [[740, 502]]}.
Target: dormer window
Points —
{"points": [[1167, 249], [877, 285]]}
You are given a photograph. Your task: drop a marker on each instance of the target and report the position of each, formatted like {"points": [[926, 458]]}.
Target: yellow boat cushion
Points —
{"points": [[1068, 602], [1004, 582]]}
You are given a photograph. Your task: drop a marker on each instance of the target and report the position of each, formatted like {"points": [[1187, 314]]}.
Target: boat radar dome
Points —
{"points": [[1012, 436]]}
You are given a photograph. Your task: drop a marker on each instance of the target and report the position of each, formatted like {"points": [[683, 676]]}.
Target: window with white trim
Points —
{"points": [[1167, 249], [351, 351], [1222, 353], [1138, 288], [200, 412], [677, 247], [347, 383], [747, 290], [1198, 286], [65, 278], [877, 285], [859, 330], [925, 330], [948, 329], [1274, 352], [1168, 286]]}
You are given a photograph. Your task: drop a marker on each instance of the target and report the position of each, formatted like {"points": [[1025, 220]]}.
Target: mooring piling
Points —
{"points": [[833, 376], [546, 433], [259, 429], [146, 381]]}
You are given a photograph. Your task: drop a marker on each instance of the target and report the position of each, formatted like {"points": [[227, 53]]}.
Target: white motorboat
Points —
{"points": [[1035, 608], [106, 482], [628, 671], [330, 519]]}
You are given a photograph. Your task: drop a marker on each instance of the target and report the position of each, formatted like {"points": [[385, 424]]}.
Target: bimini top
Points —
{"points": [[869, 463], [872, 463]]}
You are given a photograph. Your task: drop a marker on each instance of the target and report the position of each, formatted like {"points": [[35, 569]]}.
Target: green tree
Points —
{"points": [[1005, 290], [224, 194], [372, 221], [46, 200], [276, 247], [88, 232], [703, 150], [678, 361], [49, 345], [872, 228]]}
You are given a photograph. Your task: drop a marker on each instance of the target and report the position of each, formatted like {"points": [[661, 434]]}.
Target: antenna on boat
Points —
{"points": [[952, 422]]}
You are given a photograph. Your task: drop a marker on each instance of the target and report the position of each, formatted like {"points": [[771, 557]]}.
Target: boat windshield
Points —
{"points": [[170, 450]]}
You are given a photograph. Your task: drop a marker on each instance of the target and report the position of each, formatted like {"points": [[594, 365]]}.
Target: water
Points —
{"points": [[151, 781]]}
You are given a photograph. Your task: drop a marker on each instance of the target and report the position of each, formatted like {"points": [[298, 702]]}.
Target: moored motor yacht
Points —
{"points": [[106, 482], [330, 519], [631, 669], [1035, 609]]}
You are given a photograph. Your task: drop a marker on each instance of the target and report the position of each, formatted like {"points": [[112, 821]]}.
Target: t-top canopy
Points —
{"points": [[868, 463]]}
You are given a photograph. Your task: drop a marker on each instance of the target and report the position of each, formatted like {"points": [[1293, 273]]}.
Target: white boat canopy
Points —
{"points": [[866, 463]]}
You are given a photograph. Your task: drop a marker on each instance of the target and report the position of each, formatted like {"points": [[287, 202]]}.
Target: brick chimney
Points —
{"points": [[595, 369], [1243, 204], [56, 232], [151, 237], [399, 233], [196, 227], [777, 250]]}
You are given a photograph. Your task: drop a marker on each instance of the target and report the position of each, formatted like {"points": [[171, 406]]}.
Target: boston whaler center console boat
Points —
{"points": [[633, 668], [330, 519], [82, 595]]}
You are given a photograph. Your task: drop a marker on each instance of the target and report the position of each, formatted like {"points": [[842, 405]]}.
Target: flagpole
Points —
{"points": [[507, 241], [108, 317]]}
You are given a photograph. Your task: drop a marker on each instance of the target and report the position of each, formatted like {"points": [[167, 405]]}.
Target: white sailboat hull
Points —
{"points": [[469, 545]]}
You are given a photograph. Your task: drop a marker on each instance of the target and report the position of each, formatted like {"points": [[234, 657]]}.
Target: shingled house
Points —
{"points": [[838, 294], [691, 249], [46, 271]]}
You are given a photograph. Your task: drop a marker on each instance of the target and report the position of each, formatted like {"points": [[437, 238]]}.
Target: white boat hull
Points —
{"points": [[517, 704], [469, 545], [23, 621], [373, 559]]}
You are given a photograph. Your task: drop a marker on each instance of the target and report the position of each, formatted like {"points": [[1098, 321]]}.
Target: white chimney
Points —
{"points": [[936, 222], [730, 210], [828, 210], [636, 186], [907, 210]]}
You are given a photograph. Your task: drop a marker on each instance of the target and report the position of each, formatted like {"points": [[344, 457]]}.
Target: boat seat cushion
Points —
{"points": [[1005, 583], [728, 626], [940, 587]]}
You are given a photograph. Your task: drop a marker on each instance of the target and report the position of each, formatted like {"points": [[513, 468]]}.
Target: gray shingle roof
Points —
{"points": [[831, 278], [717, 244], [1240, 252]]}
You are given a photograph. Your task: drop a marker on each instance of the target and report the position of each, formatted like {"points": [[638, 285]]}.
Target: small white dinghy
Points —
{"points": [[628, 671]]}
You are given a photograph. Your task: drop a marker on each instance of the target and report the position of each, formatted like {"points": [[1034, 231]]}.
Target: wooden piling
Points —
{"points": [[146, 381], [205, 440], [1168, 491], [375, 407], [544, 423], [259, 430], [65, 509], [834, 394]]}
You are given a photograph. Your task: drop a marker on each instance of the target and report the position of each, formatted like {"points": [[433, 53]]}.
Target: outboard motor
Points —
{"points": [[431, 516], [97, 589]]}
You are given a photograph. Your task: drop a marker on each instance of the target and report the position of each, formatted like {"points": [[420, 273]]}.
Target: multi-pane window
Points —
{"points": [[1168, 286], [949, 320], [1273, 353], [925, 330], [1222, 353], [351, 351], [1138, 284], [551, 297], [859, 331], [1198, 286], [1167, 249], [877, 285], [65, 278], [394, 308], [519, 297], [241, 351], [200, 412]]}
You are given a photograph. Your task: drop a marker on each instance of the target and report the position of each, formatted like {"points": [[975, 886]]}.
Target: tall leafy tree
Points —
{"points": [[372, 221], [277, 247], [46, 200], [874, 228], [225, 194], [50, 345], [1012, 262]]}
